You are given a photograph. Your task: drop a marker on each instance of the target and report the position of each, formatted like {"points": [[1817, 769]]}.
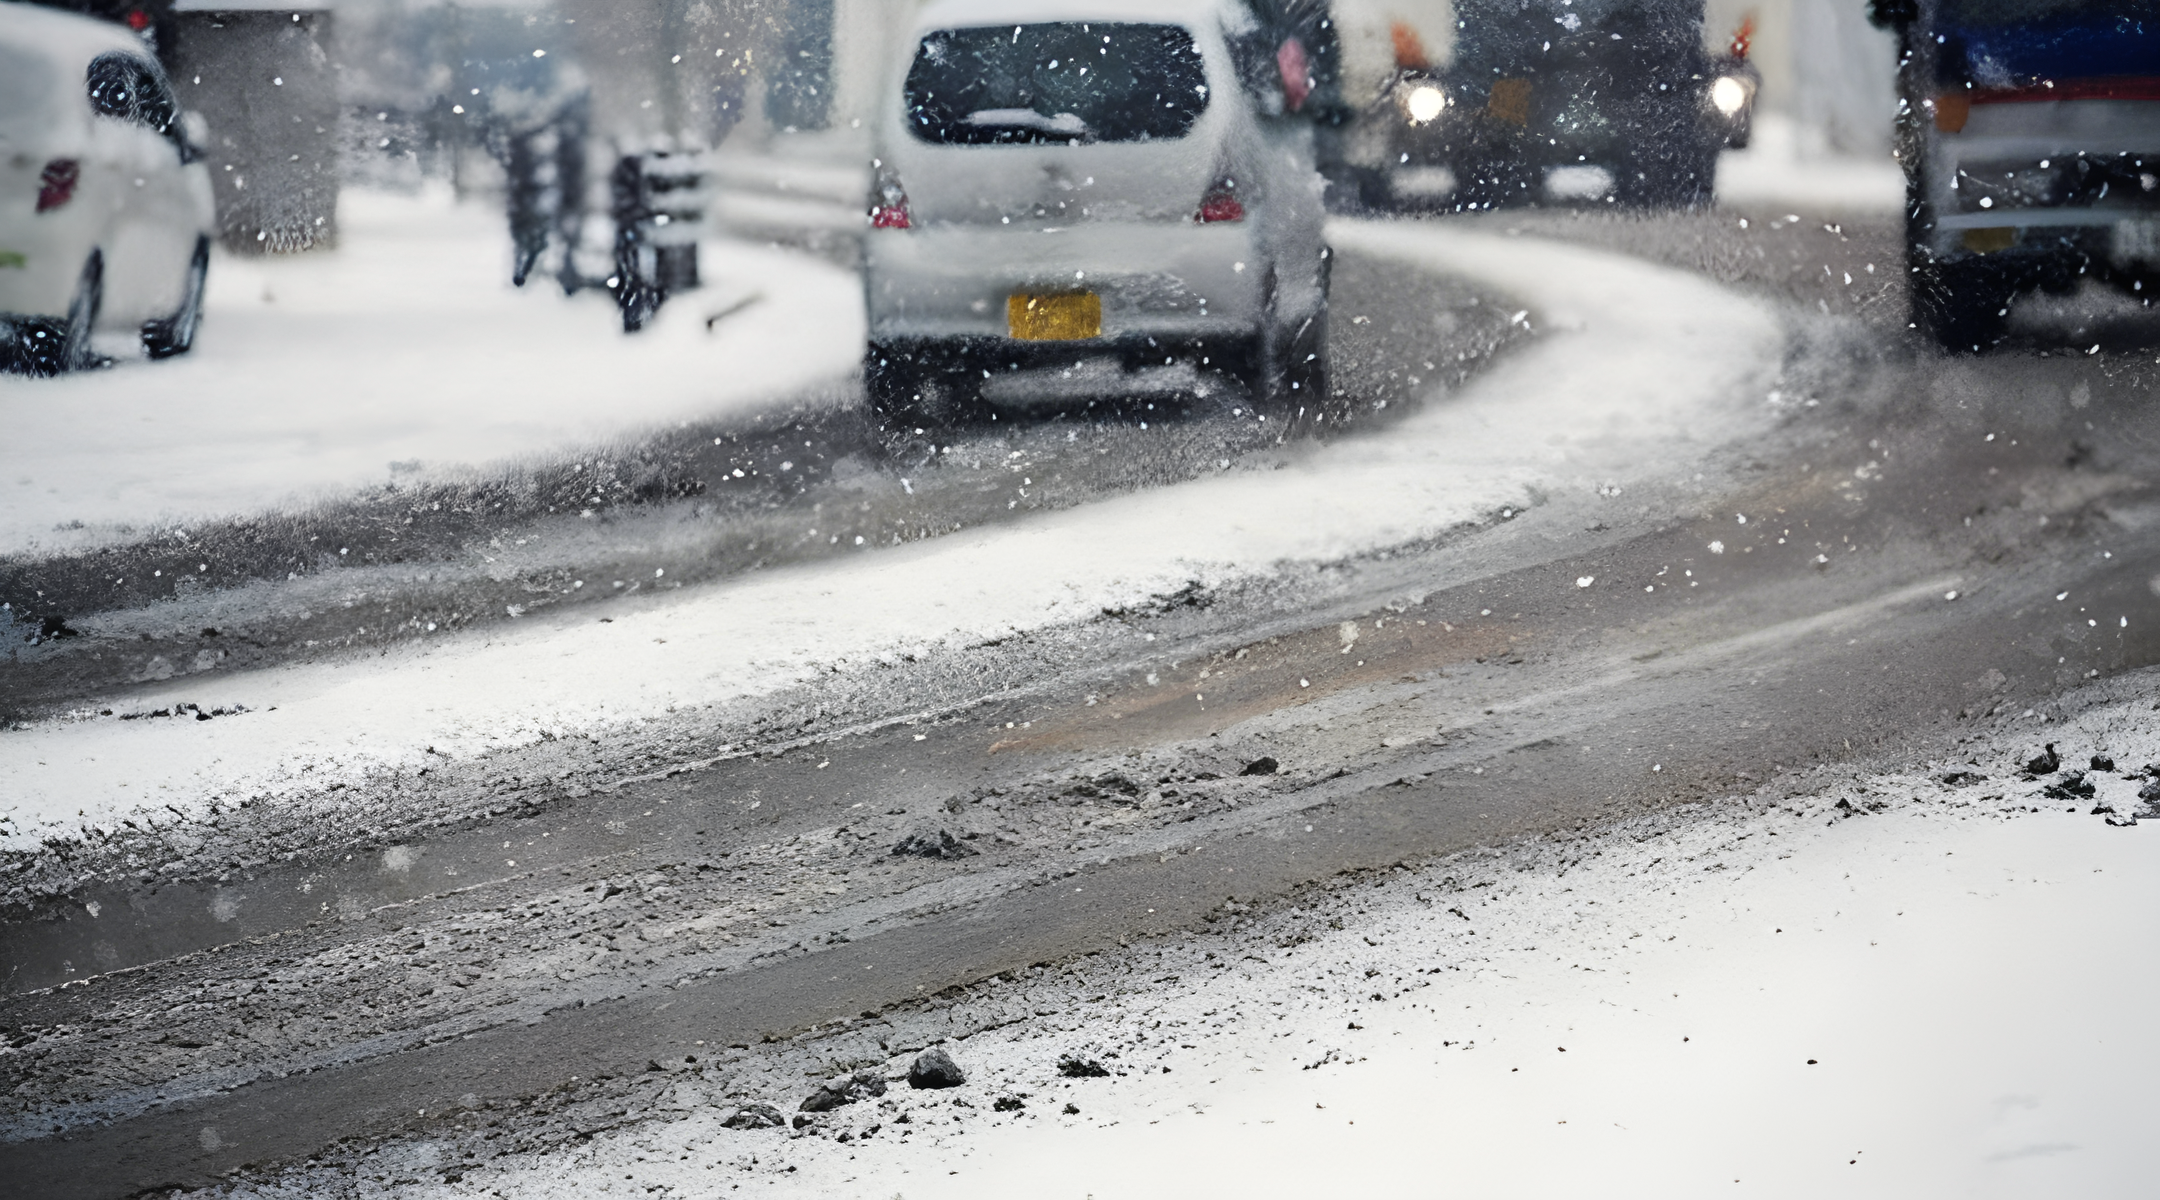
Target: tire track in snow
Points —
{"points": [[1635, 361]]}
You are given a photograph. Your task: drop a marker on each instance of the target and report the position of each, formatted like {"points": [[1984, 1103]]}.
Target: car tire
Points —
{"points": [[1963, 305], [74, 352], [1285, 369], [164, 337], [1250, 368], [1304, 366], [27, 346]]}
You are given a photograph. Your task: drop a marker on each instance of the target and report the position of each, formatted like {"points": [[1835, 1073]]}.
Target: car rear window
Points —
{"points": [[1056, 82]]}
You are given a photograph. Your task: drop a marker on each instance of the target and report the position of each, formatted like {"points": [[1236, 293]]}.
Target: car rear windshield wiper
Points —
{"points": [[1064, 124]]}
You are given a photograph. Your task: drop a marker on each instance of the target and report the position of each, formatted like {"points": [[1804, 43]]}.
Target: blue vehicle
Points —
{"points": [[2030, 135]]}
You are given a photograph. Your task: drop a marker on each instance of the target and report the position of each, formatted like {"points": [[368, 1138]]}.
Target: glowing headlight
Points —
{"points": [[1424, 103], [1729, 94]]}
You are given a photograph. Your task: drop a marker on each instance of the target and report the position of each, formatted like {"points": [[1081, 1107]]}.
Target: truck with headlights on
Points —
{"points": [[1558, 101]]}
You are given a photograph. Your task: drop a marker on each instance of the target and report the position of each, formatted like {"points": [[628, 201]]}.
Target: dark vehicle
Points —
{"points": [[2030, 134], [1586, 100]]}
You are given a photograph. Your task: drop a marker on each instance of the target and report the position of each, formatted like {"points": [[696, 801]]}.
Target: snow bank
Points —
{"points": [[1903, 1007], [401, 356], [1894, 987], [1639, 364]]}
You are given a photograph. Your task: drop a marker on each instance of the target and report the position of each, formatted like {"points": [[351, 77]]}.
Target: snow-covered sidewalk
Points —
{"points": [[403, 355], [1895, 986], [1643, 369], [1903, 1007]]}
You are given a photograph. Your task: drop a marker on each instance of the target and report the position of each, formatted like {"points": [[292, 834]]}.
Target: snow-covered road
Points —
{"points": [[1639, 371], [1891, 986], [403, 357]]}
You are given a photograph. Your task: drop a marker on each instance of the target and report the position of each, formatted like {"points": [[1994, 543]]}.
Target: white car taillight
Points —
{"points": [[56, 184]]}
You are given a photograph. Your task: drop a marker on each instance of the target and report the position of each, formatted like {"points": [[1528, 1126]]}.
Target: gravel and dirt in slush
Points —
{"points": [[1692, 996]]}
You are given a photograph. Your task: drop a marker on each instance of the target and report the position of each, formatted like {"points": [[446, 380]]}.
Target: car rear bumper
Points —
{"points": [[2048, 178], [2056, 254], [34, 279], [146, 235], [1163, 281], [1128, 372]]}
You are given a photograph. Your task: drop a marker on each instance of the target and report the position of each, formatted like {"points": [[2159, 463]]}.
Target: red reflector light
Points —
{"points": [[1220, 205], [888, 200], [138, 20], [56, 185]]}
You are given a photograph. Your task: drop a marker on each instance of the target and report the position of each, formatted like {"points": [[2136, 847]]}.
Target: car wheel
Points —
{"points": [[1304, 367], [29, 346], [1285, 369], [164, 337], [74, 351], [1964, 306], [1250, 368]]}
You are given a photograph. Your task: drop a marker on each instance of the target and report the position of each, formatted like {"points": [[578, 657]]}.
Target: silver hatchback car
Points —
{"points": [[1091, 205]]}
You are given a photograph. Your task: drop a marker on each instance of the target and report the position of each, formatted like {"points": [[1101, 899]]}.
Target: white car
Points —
{"points": [[105, 205], [1093, 202]]}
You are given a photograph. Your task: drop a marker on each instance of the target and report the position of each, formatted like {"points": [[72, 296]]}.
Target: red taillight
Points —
{"points": [[890, 215], [138, 20], [1221, 204], [56, 186], [888, 201]]}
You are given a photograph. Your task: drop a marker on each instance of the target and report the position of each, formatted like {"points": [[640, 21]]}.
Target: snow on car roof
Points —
{"points": [[63, 37], [960, 14]]}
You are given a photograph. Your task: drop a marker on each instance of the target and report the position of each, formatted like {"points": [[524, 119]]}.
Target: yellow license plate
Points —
{"points": [[1509, 101], [1055, 317]]}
